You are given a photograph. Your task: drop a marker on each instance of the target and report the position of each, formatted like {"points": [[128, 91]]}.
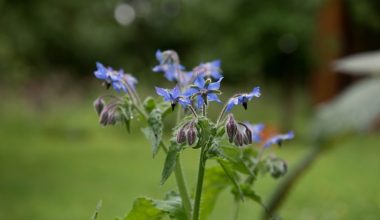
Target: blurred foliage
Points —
{"points": [[250, 36]]}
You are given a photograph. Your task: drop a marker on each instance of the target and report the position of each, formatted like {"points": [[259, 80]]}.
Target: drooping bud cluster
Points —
{"points": [[187, 133], [237, 132], [110, 113]]}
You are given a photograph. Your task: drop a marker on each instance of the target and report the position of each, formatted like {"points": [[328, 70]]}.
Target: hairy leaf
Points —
{"points": [[145, 208], [170, 163], [154, 132], [250, 193]]}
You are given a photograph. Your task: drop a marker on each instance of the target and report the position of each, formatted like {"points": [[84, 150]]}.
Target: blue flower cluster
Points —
{"points": [[119, 80], [194, 89]]}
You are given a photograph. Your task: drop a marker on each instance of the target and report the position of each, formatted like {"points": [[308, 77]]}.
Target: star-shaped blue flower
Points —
{"points": [[111, 77], [204, 91], [242, 99], [173, 96], [209, 69], [278, 139], [170, 66], [256, 130]]}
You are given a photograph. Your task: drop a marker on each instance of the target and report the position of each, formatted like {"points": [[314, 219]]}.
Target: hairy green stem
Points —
{"points": [[198, 191], [182, 188], [221, 114]]}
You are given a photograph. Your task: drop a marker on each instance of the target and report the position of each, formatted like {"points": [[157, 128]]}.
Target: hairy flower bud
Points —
{"points": [[112, 117], [181, 136], [191, 134], [238, 139], [103, 118], [99, 105], [231, 127], [277, 167], [247, 135]]}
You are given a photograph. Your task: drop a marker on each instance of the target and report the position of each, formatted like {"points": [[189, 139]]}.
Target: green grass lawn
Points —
{"points": [[56, 163]]}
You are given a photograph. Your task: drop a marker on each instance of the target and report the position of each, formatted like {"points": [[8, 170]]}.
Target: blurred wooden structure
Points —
{"points": [[335, 36]]}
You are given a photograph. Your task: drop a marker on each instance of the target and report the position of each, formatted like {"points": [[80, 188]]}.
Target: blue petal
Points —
{"points": [[255, 93], [276, 139], [213, 97], [101, 72], [190, 92], [200, 102], [176, 92], [184, 102], [215, 85], [118, 86], [164, 93], [157, 68], [216, 63], [231, 103], [216, 75], [159, 56], [200, 82]]}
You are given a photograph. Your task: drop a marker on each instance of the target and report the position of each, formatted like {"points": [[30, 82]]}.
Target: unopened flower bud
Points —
{"points": [[112, 118], [181, 136], [277, 167], [99, 105], [248, 134], [191, 134], [103, 118], [238, 139], [231, 128], [245, 139]]}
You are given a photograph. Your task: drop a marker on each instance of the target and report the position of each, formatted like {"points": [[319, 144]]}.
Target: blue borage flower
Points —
{"points": [[278, 139], [242, 99], [174, 96], [169, 64], [209, 70], [256, 130], [117, 79], [204, 91]]}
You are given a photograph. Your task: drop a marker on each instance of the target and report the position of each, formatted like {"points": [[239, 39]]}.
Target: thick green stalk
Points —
{"points": [[180, 179], [198, 191], [182, 188]]}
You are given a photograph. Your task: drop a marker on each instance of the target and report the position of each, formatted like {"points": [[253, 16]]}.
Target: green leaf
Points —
{"points": [[170, 163], [250, 193], [234, 155], [145, 208], [149, 104], [154, 132], [215, 181], [233, 176]]}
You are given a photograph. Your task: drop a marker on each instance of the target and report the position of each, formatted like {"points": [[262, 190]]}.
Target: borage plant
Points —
{"points": [[226, 140]]}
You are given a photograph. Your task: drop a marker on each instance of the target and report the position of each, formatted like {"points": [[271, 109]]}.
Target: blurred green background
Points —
{"points": [[56, 162]]}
